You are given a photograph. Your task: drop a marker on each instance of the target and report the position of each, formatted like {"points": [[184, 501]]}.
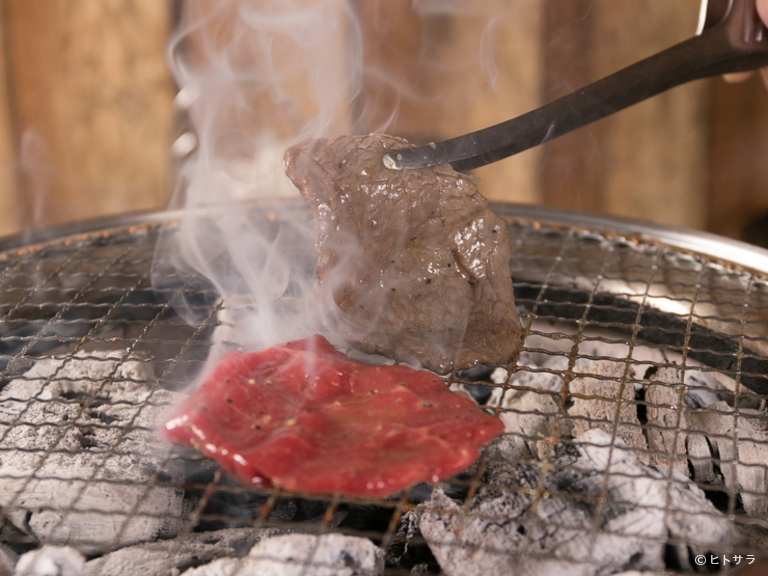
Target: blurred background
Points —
{"points": [[90, 120]]}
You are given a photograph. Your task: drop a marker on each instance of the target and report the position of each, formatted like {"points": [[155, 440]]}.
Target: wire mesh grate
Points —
{"points": [[634, 438]]}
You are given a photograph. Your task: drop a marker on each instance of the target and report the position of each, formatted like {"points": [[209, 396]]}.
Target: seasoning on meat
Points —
{"points": [[412, 264], [305, 417]]}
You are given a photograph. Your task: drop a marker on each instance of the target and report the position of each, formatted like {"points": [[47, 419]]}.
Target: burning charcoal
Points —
{"points": [[700, 398], [528, 415], [741, 444], [705, 387], [412, 264], [700, 458], [666, 420], [718, 382], [171, 557], [408, 550], [51, 560], [498, 535], [501, 531], [78, 466], [302, 555], [499, 375], [596, 402], [672, 500]]}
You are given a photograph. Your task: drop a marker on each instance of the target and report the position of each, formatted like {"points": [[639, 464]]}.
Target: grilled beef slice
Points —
{"points": [[412, 264]]}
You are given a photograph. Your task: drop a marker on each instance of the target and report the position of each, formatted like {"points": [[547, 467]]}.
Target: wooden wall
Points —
{"points": [[86, 124], [738, 160], [650, 160]]}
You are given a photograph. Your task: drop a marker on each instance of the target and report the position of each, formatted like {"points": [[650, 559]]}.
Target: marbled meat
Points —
{"points": [[412, 264]]}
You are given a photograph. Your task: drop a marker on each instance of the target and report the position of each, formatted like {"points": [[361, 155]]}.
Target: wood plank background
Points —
{"points": [[89, 107], [86, 99], [649, 161]]}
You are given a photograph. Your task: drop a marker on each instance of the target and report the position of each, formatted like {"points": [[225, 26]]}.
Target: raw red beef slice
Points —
{"points": [[412, 264], [305, 417]]}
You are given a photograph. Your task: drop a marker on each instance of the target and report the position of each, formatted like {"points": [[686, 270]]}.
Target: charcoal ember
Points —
{"points": [[501, 531], [412, 264], [301, 555], [49, 561], [79, 461], [738, 440], [172, 557], [605, 396], [700, 458], [529, 407], [705, 386], [661, 503], [666, 419], [408, 550]]}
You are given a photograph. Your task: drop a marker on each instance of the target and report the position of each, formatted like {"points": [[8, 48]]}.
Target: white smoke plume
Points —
{"points": [[255, 77]]}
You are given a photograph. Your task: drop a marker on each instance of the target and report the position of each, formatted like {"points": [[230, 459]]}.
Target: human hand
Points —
{"points": [[762, 10]]}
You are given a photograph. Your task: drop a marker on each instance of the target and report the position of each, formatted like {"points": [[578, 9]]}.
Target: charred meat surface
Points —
{"points": [[412, 264], [305, 417]]}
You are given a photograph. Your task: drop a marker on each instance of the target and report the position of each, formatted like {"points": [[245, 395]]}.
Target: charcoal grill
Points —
{"points": [[592, 291]]}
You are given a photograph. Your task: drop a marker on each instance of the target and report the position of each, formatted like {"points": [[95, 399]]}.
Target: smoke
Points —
{"points": [[255, 77], [34, 167]]}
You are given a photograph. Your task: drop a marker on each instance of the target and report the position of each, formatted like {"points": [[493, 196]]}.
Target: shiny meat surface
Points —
{"points": [[305, 417], [412, 264]]}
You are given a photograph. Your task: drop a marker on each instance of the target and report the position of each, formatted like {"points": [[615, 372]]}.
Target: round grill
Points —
{"points": [[636, 428]]}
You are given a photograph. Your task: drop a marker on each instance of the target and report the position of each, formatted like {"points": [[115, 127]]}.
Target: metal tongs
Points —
{"points": [[730, 38]]}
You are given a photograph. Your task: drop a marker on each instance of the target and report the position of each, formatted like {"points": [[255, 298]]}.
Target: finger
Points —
{"points": [[735, 77], [762, 10]]}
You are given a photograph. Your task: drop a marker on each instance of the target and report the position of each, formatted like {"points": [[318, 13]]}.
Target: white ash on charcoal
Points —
{"points": [[51, 561], [705, 386], [505, 529], [685, 420], [80, 463], [529, 406], [551, 343], [301, 555], [607, 401], [666, 419], [648, 401], [172, 557], [738, 442], [662, 414]]}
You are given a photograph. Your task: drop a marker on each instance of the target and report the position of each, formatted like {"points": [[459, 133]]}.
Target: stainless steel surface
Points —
{"points": [[732, 39], [580, 279]]}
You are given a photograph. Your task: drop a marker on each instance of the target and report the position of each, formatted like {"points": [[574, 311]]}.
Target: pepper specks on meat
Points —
{"points": [[358, 429]]}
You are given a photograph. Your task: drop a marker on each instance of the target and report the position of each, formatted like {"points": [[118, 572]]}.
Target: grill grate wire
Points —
{"points": [[64, 299]]}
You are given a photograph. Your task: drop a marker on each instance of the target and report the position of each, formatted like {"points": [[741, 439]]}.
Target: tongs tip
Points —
{"points": [[392, 162], [419, 156]]}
